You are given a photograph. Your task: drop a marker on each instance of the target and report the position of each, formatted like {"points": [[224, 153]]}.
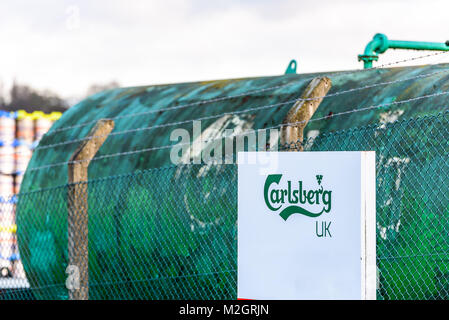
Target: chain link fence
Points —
{"points": [[171, 233]]}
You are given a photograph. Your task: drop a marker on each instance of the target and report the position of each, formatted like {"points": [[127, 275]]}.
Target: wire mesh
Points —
{"points": [[171, 233]]}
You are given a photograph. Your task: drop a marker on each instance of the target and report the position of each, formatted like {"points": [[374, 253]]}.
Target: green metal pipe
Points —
{"points": [[381, 43], [415, 45]]}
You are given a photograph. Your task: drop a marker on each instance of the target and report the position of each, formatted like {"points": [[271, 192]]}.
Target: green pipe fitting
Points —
{"points": [[381, 43]]}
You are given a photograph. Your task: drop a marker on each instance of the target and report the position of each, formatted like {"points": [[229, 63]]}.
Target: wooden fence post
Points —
{"points": [[77, 205], [302, 111]]}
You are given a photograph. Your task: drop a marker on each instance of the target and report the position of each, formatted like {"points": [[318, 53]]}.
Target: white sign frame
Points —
{"points": [[255, 274]]}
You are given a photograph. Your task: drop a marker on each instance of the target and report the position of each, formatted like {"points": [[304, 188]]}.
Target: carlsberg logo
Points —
{"points": [[290, 199]]}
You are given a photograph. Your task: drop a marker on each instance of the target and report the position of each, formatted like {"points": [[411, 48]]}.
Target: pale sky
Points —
{"points": [[64, 46]]}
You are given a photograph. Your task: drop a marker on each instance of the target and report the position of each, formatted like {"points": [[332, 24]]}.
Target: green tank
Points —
{"points": [[159, 231]]}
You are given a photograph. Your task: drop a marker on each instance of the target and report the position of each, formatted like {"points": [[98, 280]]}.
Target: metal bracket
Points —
{"points": [[291, 69]]}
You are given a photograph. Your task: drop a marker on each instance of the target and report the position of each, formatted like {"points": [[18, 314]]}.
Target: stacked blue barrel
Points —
{"points": [[20, 133]]}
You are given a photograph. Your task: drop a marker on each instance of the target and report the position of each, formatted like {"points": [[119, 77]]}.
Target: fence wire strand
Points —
{"points": [[128, 153], [248, 110], [250, 92]]}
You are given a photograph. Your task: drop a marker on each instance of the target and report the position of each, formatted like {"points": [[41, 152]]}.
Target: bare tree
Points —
{"points": [[26, 98]]}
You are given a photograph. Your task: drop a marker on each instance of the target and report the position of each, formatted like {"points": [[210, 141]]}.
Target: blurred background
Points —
{"points": [[55, 53]]}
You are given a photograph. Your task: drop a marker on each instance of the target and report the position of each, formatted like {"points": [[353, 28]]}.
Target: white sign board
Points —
{"points": [[306, 225]]}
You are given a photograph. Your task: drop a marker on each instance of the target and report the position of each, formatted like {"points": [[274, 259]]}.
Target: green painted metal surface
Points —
{"points": [[170, 233], [125, 102], [381, 43]]}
